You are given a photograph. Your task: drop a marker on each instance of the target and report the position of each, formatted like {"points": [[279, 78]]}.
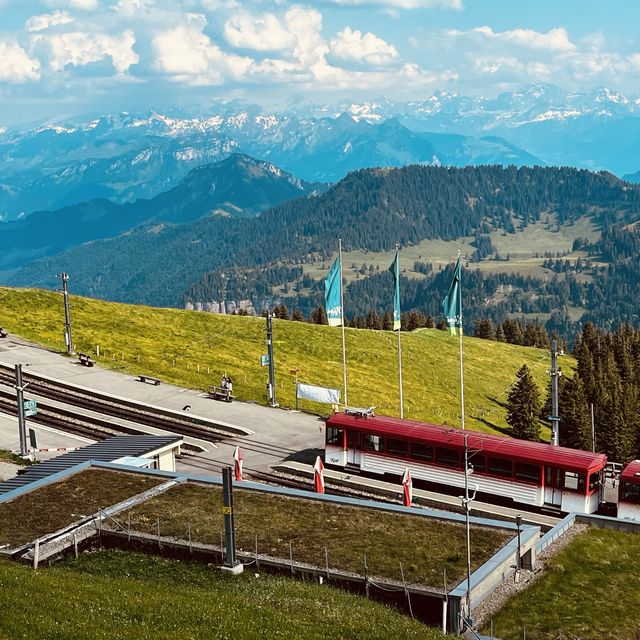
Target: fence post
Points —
{"points": [[326, 561], [75, 544], [291, 557], [129, 526], [189, 534], [159, 543], [36, 554], [257, 561], [366, 576], [406, 592]]}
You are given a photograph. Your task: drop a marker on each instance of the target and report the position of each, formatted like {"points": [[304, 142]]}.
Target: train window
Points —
{"points": [[397, 447], [448, 457], [478, 463], [372, 443], [527, 472], [630, 492], [422, 451], [574, 481], [334, 436], [500, 467], [594, 481]]}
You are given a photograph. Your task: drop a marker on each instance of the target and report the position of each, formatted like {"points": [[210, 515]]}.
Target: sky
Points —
{"points": [[66, 58]]}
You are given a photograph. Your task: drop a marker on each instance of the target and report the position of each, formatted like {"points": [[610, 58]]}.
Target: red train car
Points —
{"points": [[629, 492], [530, 473]]}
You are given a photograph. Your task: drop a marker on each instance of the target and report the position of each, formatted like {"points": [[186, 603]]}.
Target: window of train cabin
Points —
{"points": [[630, 492], [527, 472], [500, 467], [334, 436], [422, 451], [478, 463], [372, 443], [397, 447], [594, 481], [447, 457], [574, 481]]}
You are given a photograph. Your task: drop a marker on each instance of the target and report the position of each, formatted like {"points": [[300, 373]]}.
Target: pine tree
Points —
{"points": [[575, 422], [484, 329], [500, 337], [318, 316], [523, 406], [297, 315], [387, 321]]}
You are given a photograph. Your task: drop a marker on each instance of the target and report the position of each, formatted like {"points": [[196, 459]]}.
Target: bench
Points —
{"points": [[149, 379], [3, 333], [86, 360], [221, 393]]}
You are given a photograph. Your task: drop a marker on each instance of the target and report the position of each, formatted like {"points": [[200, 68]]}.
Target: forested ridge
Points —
{"points": [[371, 209]]}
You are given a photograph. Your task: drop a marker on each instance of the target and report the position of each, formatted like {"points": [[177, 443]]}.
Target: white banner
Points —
{"points": [[317, 394]]}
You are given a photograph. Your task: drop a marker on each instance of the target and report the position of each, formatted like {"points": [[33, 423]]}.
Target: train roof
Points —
{"points": [[631, 472], [523, 450]]}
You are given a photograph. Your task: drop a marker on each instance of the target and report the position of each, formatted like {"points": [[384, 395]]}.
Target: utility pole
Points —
{"points": [[467, 508], [21, 417], [271, 385], [555, 373], [231, 564], [67, 315]]}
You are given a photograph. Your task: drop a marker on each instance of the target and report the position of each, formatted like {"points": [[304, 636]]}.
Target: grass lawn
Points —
{"points": [[57, 505], [591, 591], [193, 349], [132, 597], [424, 546]]}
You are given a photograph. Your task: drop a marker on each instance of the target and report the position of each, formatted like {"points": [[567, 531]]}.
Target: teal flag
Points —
{"points": [[332, 290], [395, 269], [452, 304]]}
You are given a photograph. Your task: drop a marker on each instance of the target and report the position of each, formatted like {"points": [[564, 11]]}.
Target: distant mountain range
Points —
{"points": [[238, 186]]}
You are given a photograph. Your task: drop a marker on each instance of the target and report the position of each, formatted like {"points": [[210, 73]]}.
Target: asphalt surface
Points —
{"points": [[277, 434]]}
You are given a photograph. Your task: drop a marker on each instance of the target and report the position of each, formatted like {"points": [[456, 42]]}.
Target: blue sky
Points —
{"points": [[62, 58]]}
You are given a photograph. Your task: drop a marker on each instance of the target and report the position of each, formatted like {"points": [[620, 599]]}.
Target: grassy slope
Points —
{"points": [[142, 339], [590, 591], [425, 547], [127, 596]]}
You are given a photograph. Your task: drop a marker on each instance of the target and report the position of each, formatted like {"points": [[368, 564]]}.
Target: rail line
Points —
{"points": [[127, 410]]}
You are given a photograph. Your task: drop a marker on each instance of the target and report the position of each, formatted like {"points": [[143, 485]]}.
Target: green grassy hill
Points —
{"points": [[586, 592], [194, 349], [131, 596]]}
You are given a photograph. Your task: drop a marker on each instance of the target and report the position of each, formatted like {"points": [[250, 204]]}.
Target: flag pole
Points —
{"points": [[460, 348], [344, 356], [399, 347]]}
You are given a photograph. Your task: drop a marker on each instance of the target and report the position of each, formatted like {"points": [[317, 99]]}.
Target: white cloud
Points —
{"points": [[132, 8], [17, 67], [86, 5], [403, 4], [367, 49], [261, 33], [80, 48], [553, 40], [189, 55], [47, 20]]}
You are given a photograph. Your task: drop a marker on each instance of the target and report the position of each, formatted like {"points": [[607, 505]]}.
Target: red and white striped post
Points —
{"points": [[238, 458], [407, 488], [318, 476]]}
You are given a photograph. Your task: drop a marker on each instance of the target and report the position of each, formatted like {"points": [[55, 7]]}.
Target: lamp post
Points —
{"points": [[467, 508], [518, 561]]}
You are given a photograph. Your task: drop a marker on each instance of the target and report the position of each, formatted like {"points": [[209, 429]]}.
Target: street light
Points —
{"points": [[518, 562]]}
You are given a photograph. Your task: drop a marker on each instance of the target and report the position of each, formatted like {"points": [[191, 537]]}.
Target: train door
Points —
{"points": [[353, 447], [553, 478]]}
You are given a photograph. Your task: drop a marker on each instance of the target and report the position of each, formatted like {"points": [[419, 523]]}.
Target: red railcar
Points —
{"points": [[629, 492], [531, 473]]}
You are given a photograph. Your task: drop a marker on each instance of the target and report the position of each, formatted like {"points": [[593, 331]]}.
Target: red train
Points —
{"points": [[530, 473], [629, 492]]}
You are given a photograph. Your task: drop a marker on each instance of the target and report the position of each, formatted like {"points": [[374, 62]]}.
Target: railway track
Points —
{"points": [[129, 411]]}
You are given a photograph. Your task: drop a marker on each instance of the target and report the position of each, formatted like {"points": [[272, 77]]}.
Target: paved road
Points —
{"points": [[278, 434]]}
